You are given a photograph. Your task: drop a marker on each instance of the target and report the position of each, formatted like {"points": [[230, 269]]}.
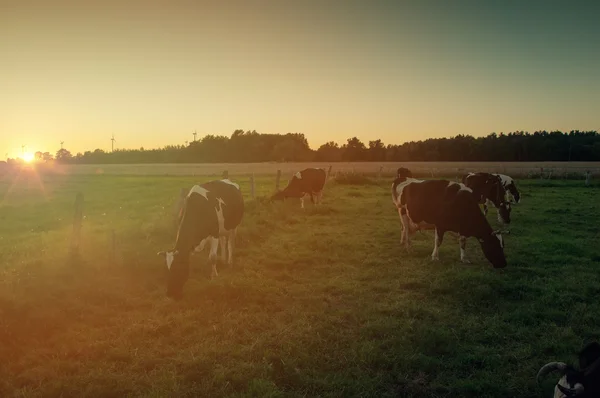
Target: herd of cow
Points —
{"points": [[213, 211]]}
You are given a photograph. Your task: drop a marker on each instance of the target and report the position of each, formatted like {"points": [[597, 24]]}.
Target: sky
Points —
{"points": [[153, 72]]}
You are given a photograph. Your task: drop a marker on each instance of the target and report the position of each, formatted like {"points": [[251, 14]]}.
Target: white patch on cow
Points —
{"points": [[200, 247], [564, 383], [227, 181], [501, 239], [400, 188], [506, 180], [462, 186], [298, 175], [199, 190], [170, 256]]}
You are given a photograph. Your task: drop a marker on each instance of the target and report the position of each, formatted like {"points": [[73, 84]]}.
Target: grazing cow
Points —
{"points": [[403, 172], [510, 187], [446, 206], [488, 188], [212, 212], [582, 383], [306, 182]]}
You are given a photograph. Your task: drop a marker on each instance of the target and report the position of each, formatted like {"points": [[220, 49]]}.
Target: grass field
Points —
{"points": [[323, 302], [560, 170]]}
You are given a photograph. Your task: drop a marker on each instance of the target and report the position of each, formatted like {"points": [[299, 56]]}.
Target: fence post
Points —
{"points": [[278, 180], [588, 178], [225, 175], [77, 221], [180, 203], [380, 172], [329, 171], [252, 185]]}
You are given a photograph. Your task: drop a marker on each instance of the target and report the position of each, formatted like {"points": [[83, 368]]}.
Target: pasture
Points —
{"points": [[323, 302]]}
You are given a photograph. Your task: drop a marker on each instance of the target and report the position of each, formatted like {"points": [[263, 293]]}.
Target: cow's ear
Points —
{"points": [[176, 252], [161, 254]]}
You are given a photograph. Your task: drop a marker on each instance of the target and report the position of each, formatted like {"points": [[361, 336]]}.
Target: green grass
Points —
{"points": [[319, 303]]}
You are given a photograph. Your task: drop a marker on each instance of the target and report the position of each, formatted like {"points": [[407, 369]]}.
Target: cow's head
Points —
{"points": [[279, 195], [514, 192], [178, 271], [403, 172], [570, 383], [493, 248]]}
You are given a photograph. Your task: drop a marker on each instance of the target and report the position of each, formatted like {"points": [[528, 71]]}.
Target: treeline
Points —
{"points": [[250, 146]]}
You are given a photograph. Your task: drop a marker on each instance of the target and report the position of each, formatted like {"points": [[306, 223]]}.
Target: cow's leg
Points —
{"points": [[312, 198], [302, 202], [462, 240], [439, 237], [223, 245], [405, 228], [212, 256], [230, 246]]}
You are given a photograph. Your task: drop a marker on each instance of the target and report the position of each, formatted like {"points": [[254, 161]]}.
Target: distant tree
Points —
{"points": [[354, 150], [63, 155], [329, 152]]}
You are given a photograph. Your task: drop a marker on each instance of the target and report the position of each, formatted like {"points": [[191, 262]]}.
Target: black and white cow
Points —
{"points": [[489, 188], [583, 382], [211, 214], [445, 206], [309, 181], [511, 189]]}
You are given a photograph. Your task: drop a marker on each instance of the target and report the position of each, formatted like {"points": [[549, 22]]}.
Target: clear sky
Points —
{"points": [[151, 72]]}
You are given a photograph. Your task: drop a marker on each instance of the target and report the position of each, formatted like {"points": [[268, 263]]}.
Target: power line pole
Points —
{"points": [[61, 144], [194, 135], [112, 143]]}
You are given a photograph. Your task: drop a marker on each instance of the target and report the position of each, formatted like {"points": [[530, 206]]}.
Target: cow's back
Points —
{"points": [[314, 179], [232, 201]]}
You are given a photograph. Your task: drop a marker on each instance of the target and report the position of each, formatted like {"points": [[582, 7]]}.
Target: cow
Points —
{"points": [[445, 206], [582, 383], [310, 181], [511, 189], [489, 188], [211, 214]]}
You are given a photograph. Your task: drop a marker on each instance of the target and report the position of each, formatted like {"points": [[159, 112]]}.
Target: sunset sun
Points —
{"points": [[28, 157]]}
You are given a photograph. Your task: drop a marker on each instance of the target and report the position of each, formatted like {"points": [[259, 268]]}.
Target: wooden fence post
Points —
{"points": [[225, 175], [278, 180], [180, 203], [380, 172], [252, 186], [588, 178], [77, 221], [329, 171]]}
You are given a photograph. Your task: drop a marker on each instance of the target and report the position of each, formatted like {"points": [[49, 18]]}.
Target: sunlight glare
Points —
{"points": [[28, 157]]}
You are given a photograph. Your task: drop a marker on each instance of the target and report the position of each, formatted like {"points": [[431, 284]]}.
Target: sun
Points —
{"points": [[28, 157]]}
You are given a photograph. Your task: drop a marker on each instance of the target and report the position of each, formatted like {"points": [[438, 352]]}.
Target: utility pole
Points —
{"points": [[194, 135], [112, 143], [61, 144]]}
